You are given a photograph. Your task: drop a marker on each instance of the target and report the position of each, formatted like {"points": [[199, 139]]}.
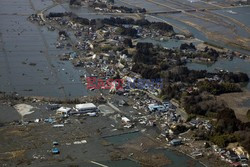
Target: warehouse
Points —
{"points": [[87, 107]]}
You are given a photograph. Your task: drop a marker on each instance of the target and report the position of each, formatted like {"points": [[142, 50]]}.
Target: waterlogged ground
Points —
{"points": [[28, 58]]}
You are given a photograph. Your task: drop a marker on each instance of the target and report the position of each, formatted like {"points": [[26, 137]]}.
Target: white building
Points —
{"points": [[63, 110], [86, 107]]}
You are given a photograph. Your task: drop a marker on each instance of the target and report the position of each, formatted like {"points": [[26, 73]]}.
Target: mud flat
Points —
{"points": [[8, 114]]}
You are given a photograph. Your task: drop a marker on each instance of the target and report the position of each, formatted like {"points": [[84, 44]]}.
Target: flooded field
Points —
{"points": [[28, 58], [39, 72], [178, 159], [8, 114], [218, 24], [30, 66], [241, 14], [121, 139], [180, 25], [218, 29]]}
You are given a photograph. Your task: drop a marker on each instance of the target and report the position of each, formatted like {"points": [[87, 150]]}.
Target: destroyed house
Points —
{"points": [[156, 107], [175, 142]]}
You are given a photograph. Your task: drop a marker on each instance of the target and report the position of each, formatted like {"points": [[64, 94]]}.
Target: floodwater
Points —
{"points": [[198, 34], [241, 14], [177, 159], [121, 163], [235, 65], [29, 64], [121, 139], [8, 114]]}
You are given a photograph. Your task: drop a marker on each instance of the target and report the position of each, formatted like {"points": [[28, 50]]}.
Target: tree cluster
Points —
{"points": [[146, 71], [227, 121], [216, 88], [170, 91], [186, 46], [201, 104], [98, 5], [127, 31], [153, 25], [128, 10], [56, 14], [74, 2], [234, 77], [183, 74], [211, 52]]}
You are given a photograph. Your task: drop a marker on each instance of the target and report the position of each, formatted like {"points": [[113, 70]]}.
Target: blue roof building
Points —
{"points": [[55, 151]]}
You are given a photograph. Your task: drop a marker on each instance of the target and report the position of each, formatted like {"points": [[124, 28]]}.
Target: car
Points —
{"points": [[92, 89]]}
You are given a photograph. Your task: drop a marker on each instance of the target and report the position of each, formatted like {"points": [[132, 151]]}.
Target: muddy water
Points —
{"points": [[29, 64], [177, 159], [121, 163], [121, 139], [8, 114], [240, 16]]}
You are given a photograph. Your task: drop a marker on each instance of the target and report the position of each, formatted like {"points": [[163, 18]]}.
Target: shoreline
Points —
{"points": [[180, 151]]}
